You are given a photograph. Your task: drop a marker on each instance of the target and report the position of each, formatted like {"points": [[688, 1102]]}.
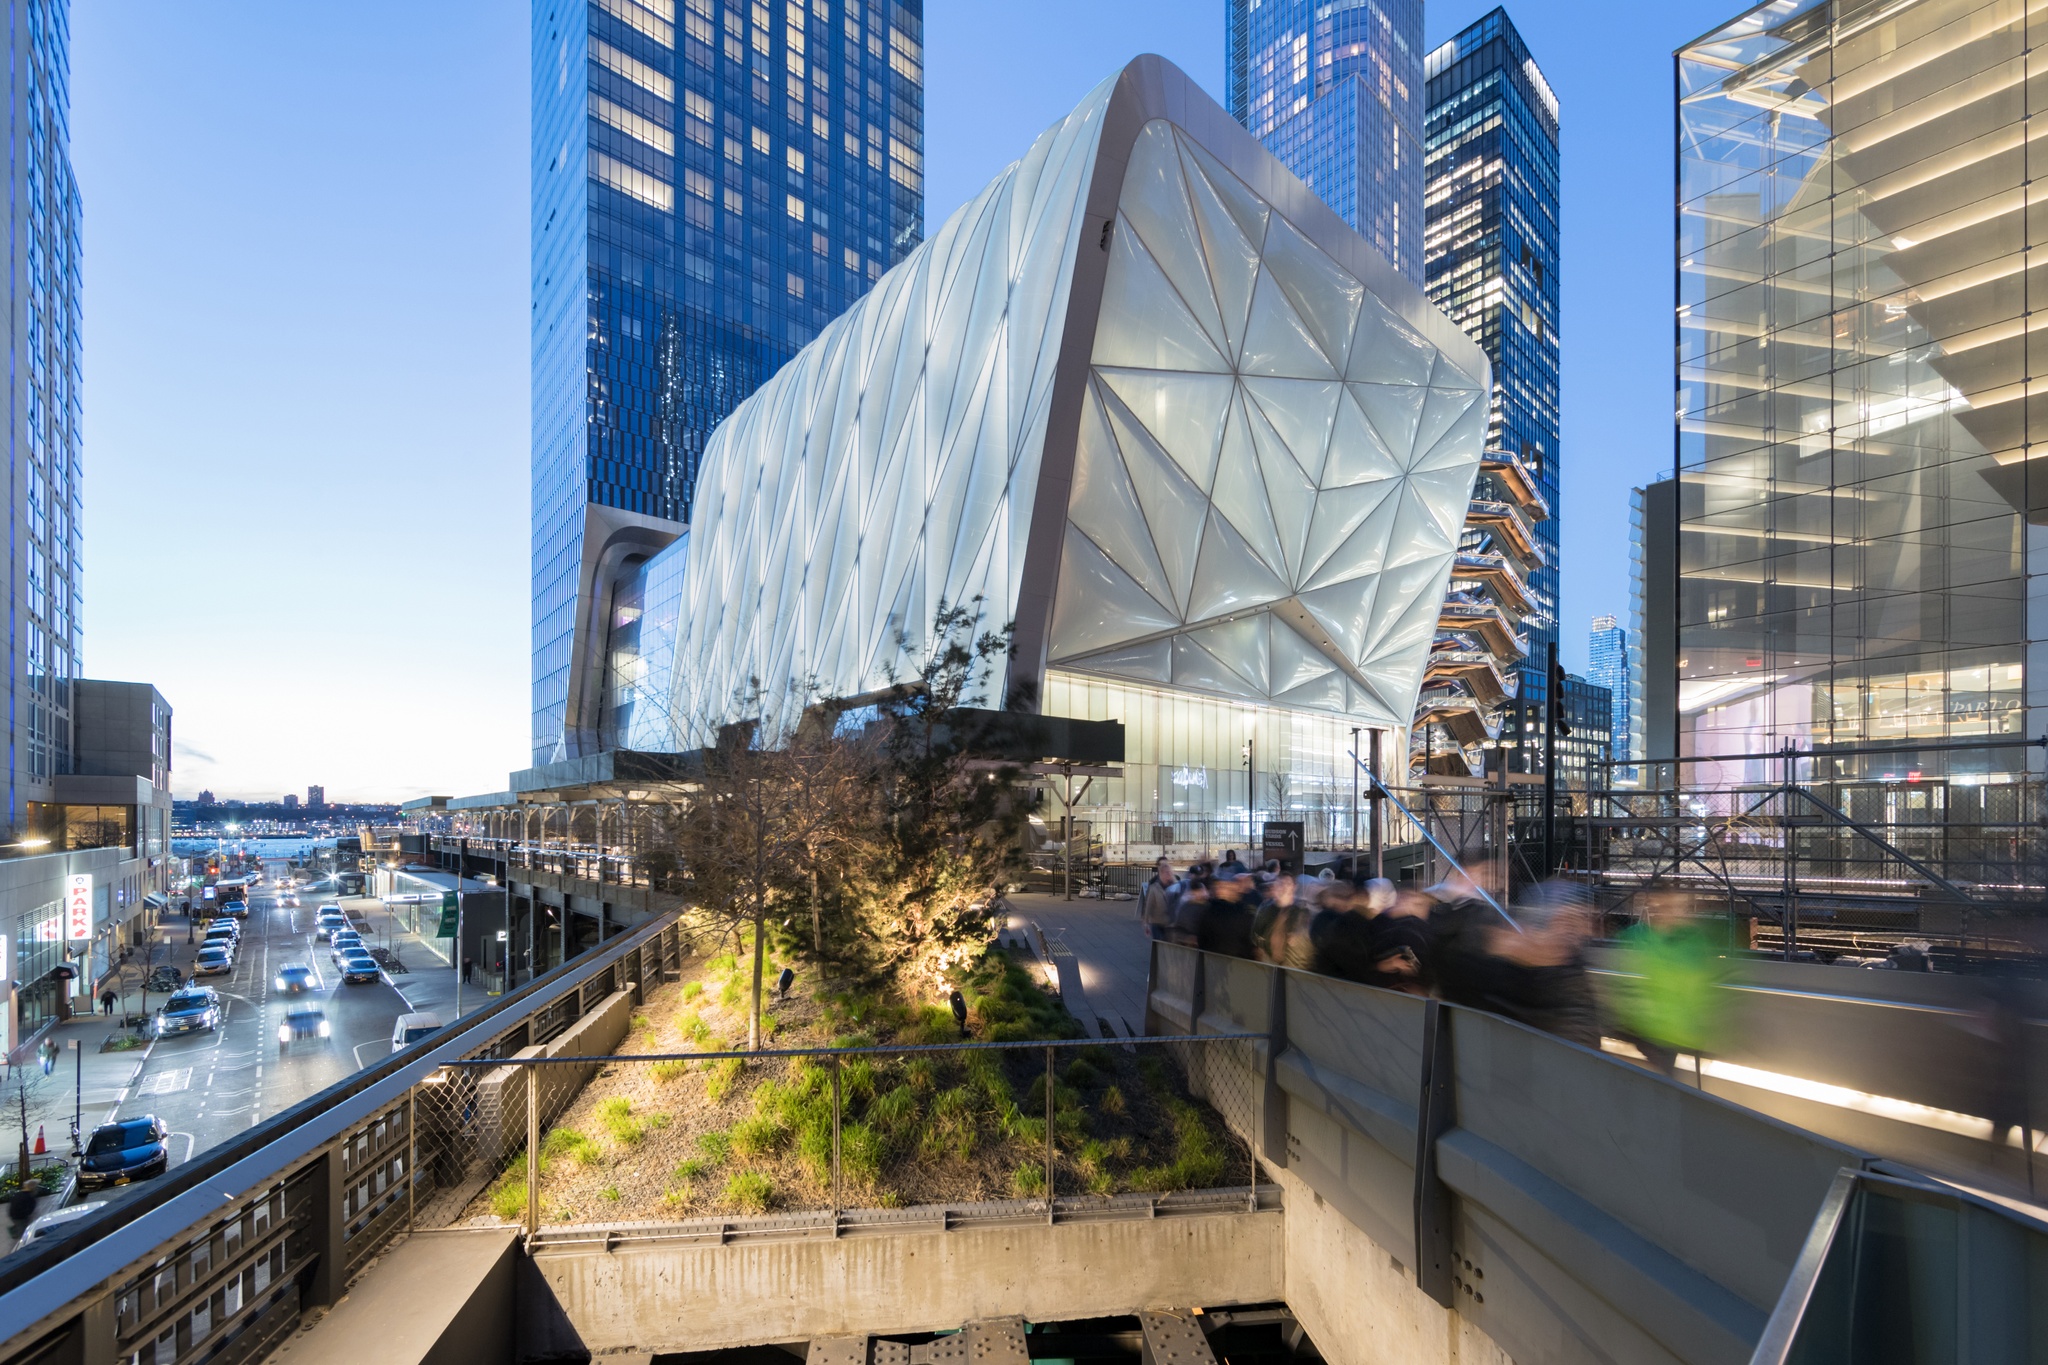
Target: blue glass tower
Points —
{"points": [[713, 181], [1335, 90], [1610, 665], [1491, 258], [44, 461]]}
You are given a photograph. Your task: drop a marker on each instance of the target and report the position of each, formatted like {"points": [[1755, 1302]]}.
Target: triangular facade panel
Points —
{"points": [[1250, 433]]}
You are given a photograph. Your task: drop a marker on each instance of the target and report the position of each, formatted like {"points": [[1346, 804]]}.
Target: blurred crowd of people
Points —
{"points": [[1449, 941]]}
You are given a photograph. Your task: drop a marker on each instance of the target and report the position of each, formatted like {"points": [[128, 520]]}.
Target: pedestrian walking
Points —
{"points": [[107, 1002], [1155, 900], [468, 970]]}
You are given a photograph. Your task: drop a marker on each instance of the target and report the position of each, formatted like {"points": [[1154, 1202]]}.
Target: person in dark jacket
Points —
{"points": [[1280, 929], [1226, 923], [1188, 908], [1230, 866]]}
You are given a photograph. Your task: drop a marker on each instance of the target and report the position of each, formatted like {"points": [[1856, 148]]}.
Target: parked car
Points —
{"points": [[125, 1150], [191, 1010], [358, 967], [346, 941], [302, 1023], [50, 1222], [410, 1028], [223, 931], [329, 921], [295, 977], [214, 959]]}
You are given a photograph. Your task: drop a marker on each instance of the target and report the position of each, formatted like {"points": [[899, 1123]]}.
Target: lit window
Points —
{"points": [[734, 201], [795, 207], [633, 125], [734, 152], [632, 181], [642, 19], [634, 70], [795, 159], [796, 286], [761, 143]]}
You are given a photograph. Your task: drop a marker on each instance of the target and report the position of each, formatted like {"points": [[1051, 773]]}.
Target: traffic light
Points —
{"points": [[1559, 726]]}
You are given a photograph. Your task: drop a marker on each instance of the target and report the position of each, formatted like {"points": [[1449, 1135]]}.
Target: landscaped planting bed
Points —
{"points": [[660, 1140]]}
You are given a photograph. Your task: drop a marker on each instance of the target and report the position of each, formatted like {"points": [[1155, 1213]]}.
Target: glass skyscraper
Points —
{"points": [[1863, 522], [713, 181], [1611, 663], [1335, 91], [43, 404], [1491, 255]]}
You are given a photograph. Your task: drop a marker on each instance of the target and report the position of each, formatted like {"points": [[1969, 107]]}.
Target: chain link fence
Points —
{"points": [[793, 1137]]}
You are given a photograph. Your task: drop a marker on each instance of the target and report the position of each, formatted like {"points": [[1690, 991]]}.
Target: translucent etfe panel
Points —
{"points": [[1268, 483], [893, 463]]}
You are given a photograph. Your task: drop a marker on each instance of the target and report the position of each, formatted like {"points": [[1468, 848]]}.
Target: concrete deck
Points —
{"points": [[437, 1298], [1111, 952]]}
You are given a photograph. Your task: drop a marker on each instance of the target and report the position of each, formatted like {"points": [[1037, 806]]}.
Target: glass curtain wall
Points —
{"points": [[1186, 758], [1859, 507]]}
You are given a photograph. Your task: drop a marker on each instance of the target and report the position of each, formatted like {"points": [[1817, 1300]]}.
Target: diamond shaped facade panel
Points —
{"points": [[1145, 397], [1308, 464]]}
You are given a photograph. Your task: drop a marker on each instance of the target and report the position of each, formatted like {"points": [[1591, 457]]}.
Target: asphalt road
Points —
{"points": [[211, 1087]]}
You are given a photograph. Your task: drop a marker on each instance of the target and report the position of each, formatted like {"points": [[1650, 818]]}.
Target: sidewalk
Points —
{"points": [[1111, 955], [427, 981]]}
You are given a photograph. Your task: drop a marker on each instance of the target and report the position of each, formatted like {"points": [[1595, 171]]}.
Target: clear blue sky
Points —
{"points": [[306, 347]]}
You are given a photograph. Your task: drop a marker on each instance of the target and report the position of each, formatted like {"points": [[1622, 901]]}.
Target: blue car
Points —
{"points": [[191, 1010], [125, 1150], [357, 967]]}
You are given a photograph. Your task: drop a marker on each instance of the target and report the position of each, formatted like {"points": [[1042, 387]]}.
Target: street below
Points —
{"points": [[209, 1088]]}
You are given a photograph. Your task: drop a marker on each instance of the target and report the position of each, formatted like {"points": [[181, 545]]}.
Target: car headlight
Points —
{"points": [[284, 1033], [323, 1028], [281, 984]]}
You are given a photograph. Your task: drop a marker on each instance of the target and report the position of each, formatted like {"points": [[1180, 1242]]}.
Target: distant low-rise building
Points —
{"points": [[291, 800]]}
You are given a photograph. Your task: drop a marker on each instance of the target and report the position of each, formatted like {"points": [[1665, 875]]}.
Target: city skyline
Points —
{"points": [[425, 704]]}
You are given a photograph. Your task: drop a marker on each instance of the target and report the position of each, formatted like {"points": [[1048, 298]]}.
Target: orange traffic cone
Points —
{"points": [[40, 1149]]}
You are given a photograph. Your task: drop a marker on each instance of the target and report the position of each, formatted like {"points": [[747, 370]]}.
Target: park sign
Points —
{"points": [[78, 906], [451, 915]]}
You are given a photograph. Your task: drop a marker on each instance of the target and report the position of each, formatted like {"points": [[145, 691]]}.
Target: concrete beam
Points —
{"points": [[698, 1297]]}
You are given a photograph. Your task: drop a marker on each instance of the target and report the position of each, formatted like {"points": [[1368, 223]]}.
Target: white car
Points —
{"points": [[50, 1222]]}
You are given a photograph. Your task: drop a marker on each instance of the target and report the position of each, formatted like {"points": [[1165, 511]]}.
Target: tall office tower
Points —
{"points": [[1335, 91], [43, 404], [1610, 657], [316, 796], [713, 181], [1862, 511], [1491, 256]]}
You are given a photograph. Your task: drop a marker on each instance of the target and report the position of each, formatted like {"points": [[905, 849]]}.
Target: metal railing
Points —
{"points": [[224, 1253], [794, 1138], [1898, 1267]]}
